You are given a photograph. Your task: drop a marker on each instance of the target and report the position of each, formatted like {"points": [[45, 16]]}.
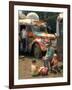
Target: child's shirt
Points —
{"points": [[34, 70]]}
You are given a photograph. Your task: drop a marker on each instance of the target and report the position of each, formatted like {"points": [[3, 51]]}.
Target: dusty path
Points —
{"points": [[25, 70]]}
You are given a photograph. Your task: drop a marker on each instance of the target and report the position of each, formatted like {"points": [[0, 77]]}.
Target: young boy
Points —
{"points": [[34, 68], [55, 64]]}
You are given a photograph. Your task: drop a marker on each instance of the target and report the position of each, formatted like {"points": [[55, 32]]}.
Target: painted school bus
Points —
{"points": [[37, 36]]}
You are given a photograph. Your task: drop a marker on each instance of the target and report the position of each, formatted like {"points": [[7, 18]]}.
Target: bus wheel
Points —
{"points": [[37, 51]]}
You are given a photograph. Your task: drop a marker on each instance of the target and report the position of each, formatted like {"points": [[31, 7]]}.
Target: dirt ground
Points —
{"points": [[25, 68]]}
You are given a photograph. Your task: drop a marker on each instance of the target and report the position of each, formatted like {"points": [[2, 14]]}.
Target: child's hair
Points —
{"points": [[55, 54], [33, 61]]}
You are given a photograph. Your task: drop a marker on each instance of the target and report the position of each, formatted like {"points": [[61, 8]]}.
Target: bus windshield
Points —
{"points": [[40, 29]]}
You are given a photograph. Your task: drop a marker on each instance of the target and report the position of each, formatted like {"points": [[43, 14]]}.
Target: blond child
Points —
{"points": [[34, 68]]}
